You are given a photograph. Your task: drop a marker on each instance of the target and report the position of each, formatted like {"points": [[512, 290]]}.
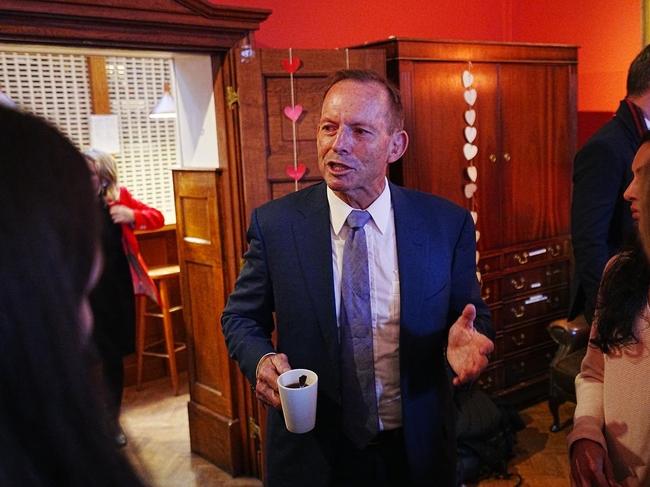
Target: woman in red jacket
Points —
{"points": [[124, 275]]}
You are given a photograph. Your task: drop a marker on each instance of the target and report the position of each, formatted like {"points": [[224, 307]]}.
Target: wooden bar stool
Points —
{"points": [[161, 277]]}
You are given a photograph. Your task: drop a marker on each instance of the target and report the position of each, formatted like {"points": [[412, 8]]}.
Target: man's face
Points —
{"points": [[634, 190], [356, 141]]}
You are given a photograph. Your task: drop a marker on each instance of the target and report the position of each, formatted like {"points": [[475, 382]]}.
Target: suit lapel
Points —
{"points": [[412, 253], [314, 250]]}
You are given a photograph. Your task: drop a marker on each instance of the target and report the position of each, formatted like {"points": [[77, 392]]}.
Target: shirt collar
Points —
{"points": [[379, 210]]}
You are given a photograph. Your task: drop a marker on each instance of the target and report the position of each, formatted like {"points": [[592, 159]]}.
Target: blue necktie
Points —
{"points": [[358, 397]]}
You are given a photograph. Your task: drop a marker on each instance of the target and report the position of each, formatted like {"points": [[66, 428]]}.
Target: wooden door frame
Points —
{"points": [[194, 26]]}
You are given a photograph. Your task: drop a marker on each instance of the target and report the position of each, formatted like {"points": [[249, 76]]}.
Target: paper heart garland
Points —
{"points": [[474, 216], [469, 190], [470, 116], [470, 96], [478, 257], [478, 235], [291, 66], [468, 79], [472, 173], [296, 173], [478, 276], [293, 113], [470, 151], [470, 134]]}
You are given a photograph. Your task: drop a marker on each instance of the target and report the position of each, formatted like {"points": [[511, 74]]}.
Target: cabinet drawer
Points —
{"points": [[516, 340], [528, 365], [491, 380], [534, 280], [535, 306], [538, 253]]}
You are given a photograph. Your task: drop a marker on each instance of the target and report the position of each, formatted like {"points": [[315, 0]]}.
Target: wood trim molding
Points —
{"points": [[195, 25], [98, 85]]}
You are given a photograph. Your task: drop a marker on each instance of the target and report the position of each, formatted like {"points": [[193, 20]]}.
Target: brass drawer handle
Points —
{"points": [[554, 250], [521, 259], [518, 312], [519, 341], [518, 284]]}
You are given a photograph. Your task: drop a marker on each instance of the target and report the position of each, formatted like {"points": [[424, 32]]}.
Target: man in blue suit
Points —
{"points": [[427, 321]]}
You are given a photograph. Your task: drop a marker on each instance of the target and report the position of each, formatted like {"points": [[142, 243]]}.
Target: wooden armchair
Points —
{"points": [[571, 337]]}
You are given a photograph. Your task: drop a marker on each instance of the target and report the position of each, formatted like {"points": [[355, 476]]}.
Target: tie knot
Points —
{"points": [[357, 219]]}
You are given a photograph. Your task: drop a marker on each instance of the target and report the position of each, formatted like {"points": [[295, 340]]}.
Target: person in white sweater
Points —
{"points": [[610, 441]]}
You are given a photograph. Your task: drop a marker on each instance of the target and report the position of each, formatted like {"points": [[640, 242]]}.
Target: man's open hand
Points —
{"points": [[467, 349]]}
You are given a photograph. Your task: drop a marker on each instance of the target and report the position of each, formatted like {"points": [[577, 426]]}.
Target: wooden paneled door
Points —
{"points": [[264, 89]]}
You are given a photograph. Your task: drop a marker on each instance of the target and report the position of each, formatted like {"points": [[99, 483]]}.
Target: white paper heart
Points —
{"points": [[470, 134], [478, 257], [472, 173], [469, 190], [470, 116], [470, 96], [474, 216], [470, 151], [478, 276], [468, 79], [478, 235]]}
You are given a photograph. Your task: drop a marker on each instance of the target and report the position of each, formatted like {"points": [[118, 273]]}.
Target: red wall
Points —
{"points": [[608, 31]]}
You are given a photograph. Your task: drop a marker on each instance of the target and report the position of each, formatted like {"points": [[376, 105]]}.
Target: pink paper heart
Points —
{"points": [[469, 190], [293, 113], [470, 116], [296, 173], [291, 66]]}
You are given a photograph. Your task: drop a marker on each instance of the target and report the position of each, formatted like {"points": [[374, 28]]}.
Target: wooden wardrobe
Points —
{"points": [[525, 121]]}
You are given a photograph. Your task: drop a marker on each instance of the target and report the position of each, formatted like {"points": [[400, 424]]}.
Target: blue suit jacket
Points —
{"points": [[288, 270]]}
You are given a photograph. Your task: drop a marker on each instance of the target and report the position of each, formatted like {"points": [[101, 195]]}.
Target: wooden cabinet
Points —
{"points": [[525, 113]]}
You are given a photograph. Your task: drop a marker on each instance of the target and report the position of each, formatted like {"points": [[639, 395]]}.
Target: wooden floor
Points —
{"points": [[156, 424]]}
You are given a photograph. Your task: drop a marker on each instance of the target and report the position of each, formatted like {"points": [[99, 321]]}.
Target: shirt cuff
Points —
{"points": [[259, 362]]}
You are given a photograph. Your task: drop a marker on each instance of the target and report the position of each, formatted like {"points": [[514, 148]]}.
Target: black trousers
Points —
{"points": [[381, 464]]}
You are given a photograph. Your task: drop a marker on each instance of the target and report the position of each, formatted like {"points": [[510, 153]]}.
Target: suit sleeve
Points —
{"points": [[247, 320], [465, 286], [597, 176]]}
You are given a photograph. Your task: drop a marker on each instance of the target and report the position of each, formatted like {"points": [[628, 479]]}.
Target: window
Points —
{"points": [[148, 147], [53, 86], [53, 83]]}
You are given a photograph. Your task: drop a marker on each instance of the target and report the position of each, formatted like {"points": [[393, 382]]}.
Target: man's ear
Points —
{"points": [[399, 143]]}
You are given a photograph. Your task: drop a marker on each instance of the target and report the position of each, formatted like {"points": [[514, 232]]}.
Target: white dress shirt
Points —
{"points": [[384, 295]]}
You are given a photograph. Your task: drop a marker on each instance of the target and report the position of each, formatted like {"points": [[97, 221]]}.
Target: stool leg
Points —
{"points": [[168, 328], [141, 324]]}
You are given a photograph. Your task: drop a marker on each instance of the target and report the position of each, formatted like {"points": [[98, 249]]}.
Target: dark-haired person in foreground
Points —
{"points": [[610, 441], [52, 428], [408, 306]]}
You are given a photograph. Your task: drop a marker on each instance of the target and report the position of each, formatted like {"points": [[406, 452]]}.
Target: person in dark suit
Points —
{"points": [[428, 323], [601, 221]]}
